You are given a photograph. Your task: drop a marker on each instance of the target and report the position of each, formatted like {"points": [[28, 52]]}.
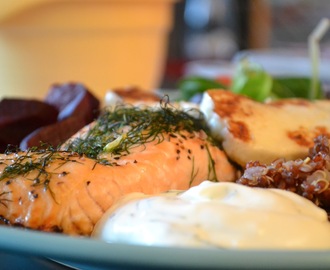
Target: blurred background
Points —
{"points": [[150, 44], [209, 35]]}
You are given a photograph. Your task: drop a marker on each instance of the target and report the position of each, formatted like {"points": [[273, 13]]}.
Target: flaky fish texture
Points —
{"points": [[252, 131], [123, 152]]}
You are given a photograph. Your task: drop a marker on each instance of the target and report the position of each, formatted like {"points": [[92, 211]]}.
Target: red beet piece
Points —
{"points": [[73, 99], [54, 134], [19, 117], [77, 107]]}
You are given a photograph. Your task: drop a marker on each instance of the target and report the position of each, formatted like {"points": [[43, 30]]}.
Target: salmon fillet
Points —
{"points": [[68, 191]]}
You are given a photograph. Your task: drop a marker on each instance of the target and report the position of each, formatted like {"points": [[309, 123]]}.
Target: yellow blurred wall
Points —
{"points": [[103, 44]]}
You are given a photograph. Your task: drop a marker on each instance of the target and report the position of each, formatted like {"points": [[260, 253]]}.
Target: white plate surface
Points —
{"points": [[95, 254]]}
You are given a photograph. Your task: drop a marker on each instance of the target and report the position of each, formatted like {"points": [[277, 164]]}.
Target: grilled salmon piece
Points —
{"points": [[68, 191], [251, 130], [61, 191]]}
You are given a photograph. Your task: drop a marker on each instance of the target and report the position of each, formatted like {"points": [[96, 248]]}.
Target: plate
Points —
{"points": [[86, 253]]}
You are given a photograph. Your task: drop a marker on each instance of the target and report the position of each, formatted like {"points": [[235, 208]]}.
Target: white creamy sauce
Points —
{"points": [[219, 215], [213, 119]]}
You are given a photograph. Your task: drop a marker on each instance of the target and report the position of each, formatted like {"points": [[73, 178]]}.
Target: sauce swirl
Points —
{"points": [[218, 215]]}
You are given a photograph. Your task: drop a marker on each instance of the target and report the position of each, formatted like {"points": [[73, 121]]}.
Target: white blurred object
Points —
{"points": [[217, 43], [286, 62], [289, 62], [209, 34], [209, 68], [278, 62], [197, 13], [101, 43]]}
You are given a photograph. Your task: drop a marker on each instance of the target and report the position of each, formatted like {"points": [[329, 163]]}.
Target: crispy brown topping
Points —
{"points": [[239, 130], [136, 94], [305, 137], [295, 102], [229, 104], [300, 137]]}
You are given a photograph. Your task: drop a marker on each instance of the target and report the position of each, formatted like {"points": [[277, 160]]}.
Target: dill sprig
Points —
{"points": [[33, 160], [212, 174], [193, 172], [124, 127], [4, 201], [117, 131]]}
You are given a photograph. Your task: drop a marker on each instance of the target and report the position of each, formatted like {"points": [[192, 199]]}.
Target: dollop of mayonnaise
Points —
{"points": [[219, 215]]}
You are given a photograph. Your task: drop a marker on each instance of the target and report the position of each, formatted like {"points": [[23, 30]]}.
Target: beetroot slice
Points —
{"points": [[54, 134], [73, 99], [77, 107], [19, 117]]}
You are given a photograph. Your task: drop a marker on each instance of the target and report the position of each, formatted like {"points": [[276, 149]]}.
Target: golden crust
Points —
{"points": [[135, 94], [266, 131]]}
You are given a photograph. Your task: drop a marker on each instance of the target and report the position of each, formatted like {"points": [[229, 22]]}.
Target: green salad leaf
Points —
{"points": [[251, 80], [189, 87], [298, 87]]}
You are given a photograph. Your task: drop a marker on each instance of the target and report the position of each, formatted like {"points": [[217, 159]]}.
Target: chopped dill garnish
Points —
{"points": [[4, 201], [118, 130], [212, 175], [33, 160], [26, 162], [193, 173]]}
